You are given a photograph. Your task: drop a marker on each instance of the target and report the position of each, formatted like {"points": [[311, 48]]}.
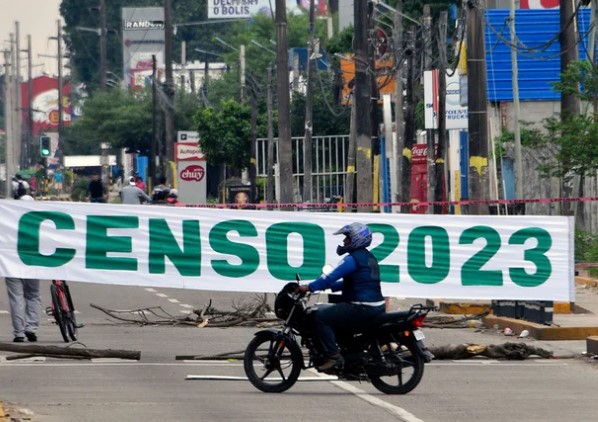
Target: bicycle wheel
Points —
{"points": [[271, 364], [69, 312], [58, 314]]}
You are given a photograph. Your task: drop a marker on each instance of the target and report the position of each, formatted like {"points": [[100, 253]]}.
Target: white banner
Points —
{"points": [[429, 256]]}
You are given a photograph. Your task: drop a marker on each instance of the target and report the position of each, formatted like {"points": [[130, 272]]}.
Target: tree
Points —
{"points": [[572, 142], [225, 134], [116, 116]]}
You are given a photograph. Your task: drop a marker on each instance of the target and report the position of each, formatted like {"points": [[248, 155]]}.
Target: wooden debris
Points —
{"points": [[27, 351], [251, 313]]}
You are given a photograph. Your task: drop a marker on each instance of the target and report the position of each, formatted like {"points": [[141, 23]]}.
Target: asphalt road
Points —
{"points": [[157, 389]]}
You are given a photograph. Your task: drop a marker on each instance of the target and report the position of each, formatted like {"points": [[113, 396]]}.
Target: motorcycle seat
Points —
{"points": [[390, 316]]}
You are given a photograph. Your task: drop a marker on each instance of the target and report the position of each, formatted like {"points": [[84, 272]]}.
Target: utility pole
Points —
{"points": [[168, 84], [18, 116], [8, 118], [516, 109], [441, 153], [399, 142], [409, 118], [30, 134], [154, 144], [362, 104], [309, 124], [103, 67], [270, 169], [570, 104], [285, 151], [430, 142], [242, 80], [477, 105], [60, 87]]}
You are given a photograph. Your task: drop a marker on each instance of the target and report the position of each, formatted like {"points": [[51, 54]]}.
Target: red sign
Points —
{"points": [[193, 173], [45, 103], [539, 4]]}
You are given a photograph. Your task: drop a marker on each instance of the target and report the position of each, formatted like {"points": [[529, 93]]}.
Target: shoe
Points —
{"points": [[31, 336], [18, 339], [334, 361]]}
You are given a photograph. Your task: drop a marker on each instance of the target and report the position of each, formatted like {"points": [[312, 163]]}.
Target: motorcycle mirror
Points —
{"points": [[326, 269]]}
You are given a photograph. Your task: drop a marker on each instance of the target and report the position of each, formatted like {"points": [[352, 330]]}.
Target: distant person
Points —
{"points": [[25, 302], [96, 191], [241, 199], [173, 197], [20, 187], [131, 194], [139, 182], [160, 191]]}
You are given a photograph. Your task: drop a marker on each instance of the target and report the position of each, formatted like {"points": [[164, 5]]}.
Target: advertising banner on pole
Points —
{"points": [[143, 37], [430, 256], [191, 169], [456, 114]]}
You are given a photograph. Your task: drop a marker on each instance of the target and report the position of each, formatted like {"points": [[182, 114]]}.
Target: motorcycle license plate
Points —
{"points": [[419, 335]]}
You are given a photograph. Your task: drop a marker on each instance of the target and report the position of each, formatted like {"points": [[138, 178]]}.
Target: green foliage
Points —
{"points": [[586, 249], [572, 139], [79, 189], [225, 134], [116, 116], [123, 119], [530, 138]]}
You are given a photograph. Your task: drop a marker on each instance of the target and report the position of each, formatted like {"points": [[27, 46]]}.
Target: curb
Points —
{"points": [[541, 332], [592, 345]]}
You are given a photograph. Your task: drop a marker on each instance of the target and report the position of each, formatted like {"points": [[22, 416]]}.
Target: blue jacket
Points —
{"points": [[357, 275]]}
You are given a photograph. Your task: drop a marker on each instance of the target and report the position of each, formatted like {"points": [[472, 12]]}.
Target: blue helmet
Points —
{"points": [[360, 235]]}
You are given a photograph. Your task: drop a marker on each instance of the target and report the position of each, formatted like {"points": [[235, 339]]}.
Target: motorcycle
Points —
{"points": [[390, 353]]}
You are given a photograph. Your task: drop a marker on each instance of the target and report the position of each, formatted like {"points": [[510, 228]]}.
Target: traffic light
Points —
{"points": [[45, 146]]}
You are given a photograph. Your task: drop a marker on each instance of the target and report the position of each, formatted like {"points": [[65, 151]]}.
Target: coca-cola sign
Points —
{"points": [[193, 173]]}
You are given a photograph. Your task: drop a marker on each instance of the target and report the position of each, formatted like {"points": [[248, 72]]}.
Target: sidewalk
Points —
{"points": [[574, 329]]}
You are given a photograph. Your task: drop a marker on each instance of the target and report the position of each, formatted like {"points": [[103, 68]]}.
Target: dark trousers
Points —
{"points": [[342, 316]]}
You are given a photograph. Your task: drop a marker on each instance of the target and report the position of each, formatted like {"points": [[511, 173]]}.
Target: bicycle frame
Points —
{"points": [[63, 310]]}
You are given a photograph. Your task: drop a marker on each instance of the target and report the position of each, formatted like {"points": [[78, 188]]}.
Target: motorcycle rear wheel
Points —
{"points": [[411, 370], [272, 364]]}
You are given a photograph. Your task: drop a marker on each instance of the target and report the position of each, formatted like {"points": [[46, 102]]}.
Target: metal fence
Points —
{"points": [[329, 167]]}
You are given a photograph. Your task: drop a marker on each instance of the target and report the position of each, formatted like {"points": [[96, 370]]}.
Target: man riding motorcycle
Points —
{"points": [[357, 276]]}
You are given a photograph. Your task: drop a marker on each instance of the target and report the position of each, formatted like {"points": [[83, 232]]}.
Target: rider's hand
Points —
{"points": [[304, 288]]}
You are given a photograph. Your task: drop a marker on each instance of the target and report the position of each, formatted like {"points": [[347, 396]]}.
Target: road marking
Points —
{"points": [[390, 408], [161, 295], [184, 305], [186, 311], [173, 300], [3, 312], [237, 378], [149, 289]]}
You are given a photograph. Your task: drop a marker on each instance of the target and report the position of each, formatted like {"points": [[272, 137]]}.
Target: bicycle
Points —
{"points": [[63, 310]]}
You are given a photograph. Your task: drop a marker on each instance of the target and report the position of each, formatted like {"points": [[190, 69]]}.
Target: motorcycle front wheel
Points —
{"points": [[272, 363], [410, 369]]}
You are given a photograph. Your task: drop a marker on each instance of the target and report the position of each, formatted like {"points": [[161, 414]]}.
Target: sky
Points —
{"points": [[37, 18]]}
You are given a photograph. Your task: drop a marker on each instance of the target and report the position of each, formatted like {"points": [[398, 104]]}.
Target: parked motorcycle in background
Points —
{"points": [[390, 353]]}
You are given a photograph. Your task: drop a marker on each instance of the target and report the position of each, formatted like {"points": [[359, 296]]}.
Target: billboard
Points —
{"points": [[44, 103], [143, 37], [456, 115], [243, 9], [191, 169]]}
